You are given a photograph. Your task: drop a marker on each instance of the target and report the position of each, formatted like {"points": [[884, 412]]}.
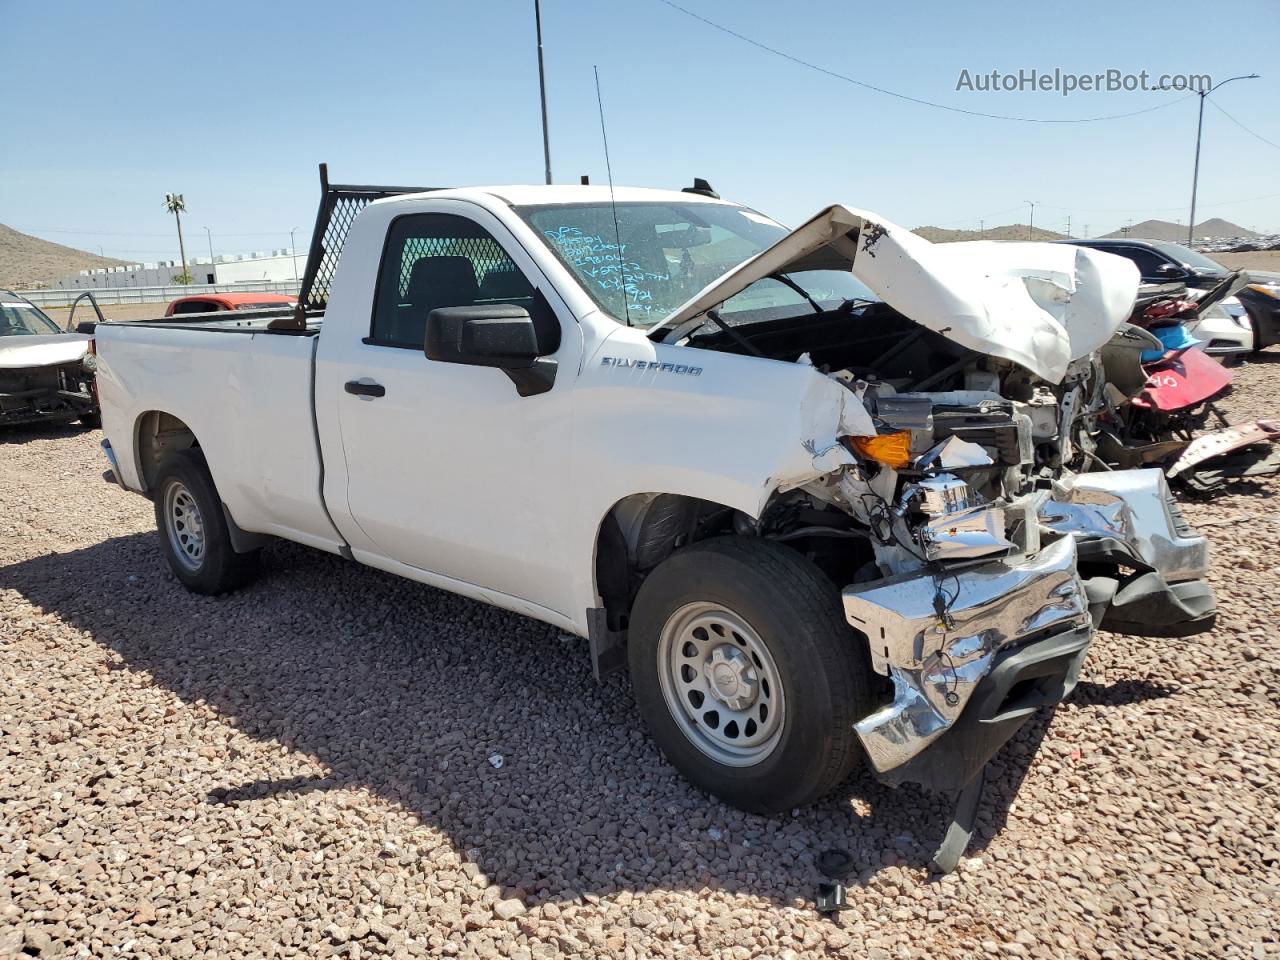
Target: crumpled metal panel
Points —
{"points": [[936, 665], [1215, 444], [1040, 305], [1134, 508]]}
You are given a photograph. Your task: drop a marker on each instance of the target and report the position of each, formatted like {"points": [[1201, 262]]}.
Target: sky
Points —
{"points": [[104, 108]]}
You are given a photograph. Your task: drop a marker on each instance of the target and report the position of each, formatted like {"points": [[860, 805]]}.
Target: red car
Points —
{"points": [[212, 302]]}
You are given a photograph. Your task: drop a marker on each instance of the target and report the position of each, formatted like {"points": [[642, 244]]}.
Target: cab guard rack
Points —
{"points": [[339, 205]]}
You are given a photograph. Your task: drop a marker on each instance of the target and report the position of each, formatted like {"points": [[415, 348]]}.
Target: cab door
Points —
{"points": [[448, 469]]}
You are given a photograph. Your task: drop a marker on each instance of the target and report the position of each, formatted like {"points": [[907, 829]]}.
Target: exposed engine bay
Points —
{"points": [[961, 436]]}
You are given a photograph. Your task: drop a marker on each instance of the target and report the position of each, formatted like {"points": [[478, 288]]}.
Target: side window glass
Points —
{"points": [[437, 260], [1147, 261]]}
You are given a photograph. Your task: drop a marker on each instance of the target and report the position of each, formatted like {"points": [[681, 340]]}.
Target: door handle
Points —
{"points": [[365, 388]]}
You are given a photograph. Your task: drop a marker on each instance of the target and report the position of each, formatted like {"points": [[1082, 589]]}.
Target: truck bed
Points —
{"points": [[247, 398]]}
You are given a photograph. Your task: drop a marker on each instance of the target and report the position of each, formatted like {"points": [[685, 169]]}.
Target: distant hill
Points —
{"points": [[1164, 230], [27, 262], [1012, 231]]}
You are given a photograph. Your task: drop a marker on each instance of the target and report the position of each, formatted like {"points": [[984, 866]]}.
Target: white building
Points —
{"points": [[275, 265]]}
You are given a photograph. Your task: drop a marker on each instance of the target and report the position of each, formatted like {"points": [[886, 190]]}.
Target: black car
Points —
{"points": [[1163, 261], [1261, 299]]}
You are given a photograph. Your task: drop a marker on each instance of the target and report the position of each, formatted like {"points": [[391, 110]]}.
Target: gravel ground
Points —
{"points": [[309, 767]]}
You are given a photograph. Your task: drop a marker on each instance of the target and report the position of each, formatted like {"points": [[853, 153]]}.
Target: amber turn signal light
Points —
{"points": [[891, 449]]}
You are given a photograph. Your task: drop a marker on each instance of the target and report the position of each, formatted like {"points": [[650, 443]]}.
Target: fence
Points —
{"points": [[112, 295]]}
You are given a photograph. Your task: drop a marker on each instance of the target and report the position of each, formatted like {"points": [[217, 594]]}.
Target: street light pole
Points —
{"points": [[1195, 174], [293, 254], [1031, 227], [209, 237], [542, 88]]}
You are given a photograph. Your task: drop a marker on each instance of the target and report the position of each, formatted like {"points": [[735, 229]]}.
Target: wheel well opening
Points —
{"points": [[160, 434], [642, 530]]}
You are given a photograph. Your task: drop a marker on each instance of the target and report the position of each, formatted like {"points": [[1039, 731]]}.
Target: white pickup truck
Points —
{"points": [[808, 486]]}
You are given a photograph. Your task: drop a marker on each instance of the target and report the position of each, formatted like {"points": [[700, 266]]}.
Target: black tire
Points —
{"points": [[822, 662], [218, 568], [91, 420], [1257, 334]]}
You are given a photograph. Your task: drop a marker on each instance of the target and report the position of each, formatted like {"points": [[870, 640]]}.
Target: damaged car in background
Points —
{"points": [[813, 488], [46, 374], [1158, 402]]}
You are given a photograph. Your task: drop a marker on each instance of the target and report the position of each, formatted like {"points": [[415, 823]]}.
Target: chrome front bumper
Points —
{"points": [[1133, 542], [1131, 515], [937, 636]]}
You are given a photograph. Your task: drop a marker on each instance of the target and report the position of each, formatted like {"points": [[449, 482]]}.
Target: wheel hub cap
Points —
{"points": [[732, 680]]}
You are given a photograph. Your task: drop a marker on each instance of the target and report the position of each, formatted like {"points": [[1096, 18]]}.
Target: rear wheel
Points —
{"points": [[193, 531], [746, 673]]}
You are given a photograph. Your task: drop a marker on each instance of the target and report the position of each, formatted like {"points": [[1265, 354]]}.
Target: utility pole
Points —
{"points": [[1195, 174], [982, 229], [1068, 226], [293, 254], [1032, 225], [209, 237], [1086, 232], [542, 88]]}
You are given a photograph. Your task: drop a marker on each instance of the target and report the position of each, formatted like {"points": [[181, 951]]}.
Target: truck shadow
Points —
{"points": [[410, 692]]}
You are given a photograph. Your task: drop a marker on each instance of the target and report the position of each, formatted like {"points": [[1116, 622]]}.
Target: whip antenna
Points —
{"points": [[613, 203]]}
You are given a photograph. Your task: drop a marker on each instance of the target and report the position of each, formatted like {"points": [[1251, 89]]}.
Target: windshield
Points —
{"points": [[19, 319], [1193, 259], [660, 254]]}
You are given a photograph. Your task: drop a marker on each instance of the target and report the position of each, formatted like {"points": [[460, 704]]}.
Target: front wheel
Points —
{"points": [[193, 531], [747, 674]]}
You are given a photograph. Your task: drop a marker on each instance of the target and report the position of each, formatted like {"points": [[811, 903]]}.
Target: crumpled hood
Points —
{"points": [[27, 351], [1040, 305]]}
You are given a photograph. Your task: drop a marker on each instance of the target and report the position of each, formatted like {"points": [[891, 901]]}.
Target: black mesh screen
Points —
{"points": [[485, 255], [339, 206], [342, 213]]}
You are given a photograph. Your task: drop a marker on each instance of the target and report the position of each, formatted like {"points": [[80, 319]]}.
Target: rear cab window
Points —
{"points": [[434, 260]]}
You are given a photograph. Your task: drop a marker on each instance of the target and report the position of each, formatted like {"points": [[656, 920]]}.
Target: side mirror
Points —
{"points": [[1172, 271], [491, 335], [482, 336]]}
